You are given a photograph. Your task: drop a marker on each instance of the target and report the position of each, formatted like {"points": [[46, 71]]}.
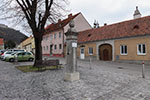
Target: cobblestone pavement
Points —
{"points": [[103, 81]]}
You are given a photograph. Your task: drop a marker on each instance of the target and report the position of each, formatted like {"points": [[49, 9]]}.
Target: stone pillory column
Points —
{"points": [[71, 73]]}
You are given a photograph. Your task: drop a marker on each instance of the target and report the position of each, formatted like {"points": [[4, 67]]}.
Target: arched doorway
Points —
{"points": [[105, 52]]}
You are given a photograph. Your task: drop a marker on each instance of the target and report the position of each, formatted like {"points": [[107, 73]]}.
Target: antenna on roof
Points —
{"points": [[96, 24]]}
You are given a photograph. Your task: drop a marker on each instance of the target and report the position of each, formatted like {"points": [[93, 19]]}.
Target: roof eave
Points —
{"points": [[114, 38]]}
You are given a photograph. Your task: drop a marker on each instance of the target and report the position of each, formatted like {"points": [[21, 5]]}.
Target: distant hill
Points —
{"points": [[11, 34]]}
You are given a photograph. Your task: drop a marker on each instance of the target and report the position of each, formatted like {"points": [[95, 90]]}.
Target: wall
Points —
{"points": [[46, 43], [132, 48], [49, 39], [27, 44], [27, 41], [80, 24], [33, 45], [28, 47], [87, 45]]}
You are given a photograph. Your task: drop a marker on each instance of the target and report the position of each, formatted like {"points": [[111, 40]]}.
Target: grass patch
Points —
{"points": [[30, 68]]}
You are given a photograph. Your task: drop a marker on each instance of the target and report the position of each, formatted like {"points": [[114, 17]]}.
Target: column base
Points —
{"points": [[72, 76]]}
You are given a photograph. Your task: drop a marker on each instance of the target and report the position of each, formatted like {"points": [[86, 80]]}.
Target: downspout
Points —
{"points": [[63, 43]]}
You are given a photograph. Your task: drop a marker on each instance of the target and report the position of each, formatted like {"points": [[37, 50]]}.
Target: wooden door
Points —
{"points": [[105, 54]]}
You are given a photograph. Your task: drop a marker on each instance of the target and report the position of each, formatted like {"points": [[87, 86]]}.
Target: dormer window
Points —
{"points": [[89, 35], [136, 27]]}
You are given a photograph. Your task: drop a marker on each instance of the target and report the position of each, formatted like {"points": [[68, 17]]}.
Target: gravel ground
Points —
{"points": [[104, 81]]}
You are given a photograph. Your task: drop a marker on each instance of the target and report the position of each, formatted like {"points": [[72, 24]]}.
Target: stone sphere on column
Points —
{"points": [[71, 24]]}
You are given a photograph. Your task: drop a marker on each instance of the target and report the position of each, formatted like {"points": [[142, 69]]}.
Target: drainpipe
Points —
{"points": [[63, 43]]}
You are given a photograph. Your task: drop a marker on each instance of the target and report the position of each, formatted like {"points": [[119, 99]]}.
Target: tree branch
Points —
{"points": [[46, 15], [24, 10]]}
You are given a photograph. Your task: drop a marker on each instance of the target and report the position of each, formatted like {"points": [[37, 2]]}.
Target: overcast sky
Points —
{"points": [[106, 11], [109, 11]]}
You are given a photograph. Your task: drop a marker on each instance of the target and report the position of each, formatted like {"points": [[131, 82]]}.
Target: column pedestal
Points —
{"points": [[72, 76]]}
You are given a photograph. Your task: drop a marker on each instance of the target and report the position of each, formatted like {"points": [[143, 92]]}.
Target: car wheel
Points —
{"points": [[11, 60], [30, 59]]}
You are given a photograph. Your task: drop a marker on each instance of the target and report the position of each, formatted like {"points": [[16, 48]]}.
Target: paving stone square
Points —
{"points": [[103, 81]]}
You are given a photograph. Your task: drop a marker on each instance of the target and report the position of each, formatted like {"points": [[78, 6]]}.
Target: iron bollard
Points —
{"points": [[90, 63], [143, 70]]}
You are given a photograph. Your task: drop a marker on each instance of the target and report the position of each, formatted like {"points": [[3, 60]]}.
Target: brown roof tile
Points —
{"points": [[130, 28], [53, 27]]}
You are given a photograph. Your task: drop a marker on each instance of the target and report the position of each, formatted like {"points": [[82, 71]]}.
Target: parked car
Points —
{"points": [[2, 51], [20, 56], [5, 54], [16, 50]]}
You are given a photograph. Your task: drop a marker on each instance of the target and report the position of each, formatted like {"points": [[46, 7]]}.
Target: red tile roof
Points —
{"points": [[53, 27], [1, 41], [130, 28]]}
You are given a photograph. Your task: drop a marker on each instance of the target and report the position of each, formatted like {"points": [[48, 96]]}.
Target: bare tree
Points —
{"points": [[35, 14]]}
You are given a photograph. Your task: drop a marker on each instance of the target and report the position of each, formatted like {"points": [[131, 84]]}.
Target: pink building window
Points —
{"points": [[46, 47], [59, 34], [60, 47], [55, 46], [51, 36], [55, 35]]}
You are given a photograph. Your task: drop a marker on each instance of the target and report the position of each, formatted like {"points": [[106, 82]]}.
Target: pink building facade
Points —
{"points": [[54, 39]]}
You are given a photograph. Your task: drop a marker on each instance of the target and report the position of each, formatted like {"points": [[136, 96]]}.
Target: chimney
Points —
{"points": [[105, 24], [137, 13], [70, 15]]}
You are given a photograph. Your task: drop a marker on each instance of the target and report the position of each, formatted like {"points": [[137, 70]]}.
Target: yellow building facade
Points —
{"points": [[137, 48], [123, 41], [86, 50], [124, 49], [28, 44]]}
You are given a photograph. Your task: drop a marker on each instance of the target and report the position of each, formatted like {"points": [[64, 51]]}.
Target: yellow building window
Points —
{"points": [[123, 50], [90, 51], [141, 49]]}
